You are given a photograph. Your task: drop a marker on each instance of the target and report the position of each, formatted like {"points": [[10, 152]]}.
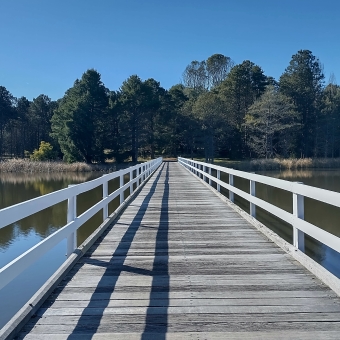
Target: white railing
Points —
{"points": [[298, 190], [69, 231]]}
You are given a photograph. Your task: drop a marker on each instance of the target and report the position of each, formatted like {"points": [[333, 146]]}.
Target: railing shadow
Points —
{"points": [[117, 263]]}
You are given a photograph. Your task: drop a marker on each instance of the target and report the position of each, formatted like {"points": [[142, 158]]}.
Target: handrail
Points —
{"points": [[299, 191], [19, 211]]}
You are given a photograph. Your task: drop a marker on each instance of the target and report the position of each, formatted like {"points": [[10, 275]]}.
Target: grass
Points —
{"points": [[280, 164]]}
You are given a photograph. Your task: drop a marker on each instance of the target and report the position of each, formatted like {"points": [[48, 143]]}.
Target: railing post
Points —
{"points": [[131, 184], [252, 207], [209, 171], [231, 182], [218, 177], [298, 212], [71, 215], [105, 194], [121, 183], [204, 170]]}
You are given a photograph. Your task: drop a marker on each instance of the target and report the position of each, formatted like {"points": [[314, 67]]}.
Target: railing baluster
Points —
{"points": [[71, 215], [121, 183], [209, 171], [252, 206], [131, 185], [105, 194], [218, 175], [231, 182], [299, 212]]}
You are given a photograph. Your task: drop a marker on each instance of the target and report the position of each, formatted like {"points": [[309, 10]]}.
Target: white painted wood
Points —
{"points": [[131, 182], [298, 190], [22, 210], [218, 177], [210, 175], [105, 194], [121, 183], [298, 212], [231, 184], [252, 207], [71, 216]]}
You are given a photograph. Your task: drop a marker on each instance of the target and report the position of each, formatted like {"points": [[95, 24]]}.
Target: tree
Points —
{"points": [[244, 84], [271, 121], [218, 67], [6, 112], [133, 101], [79, 123], [330, 121], [155, 96], [302, 81], [195, 76], [209, 110], [41, 111], [44, 153]]}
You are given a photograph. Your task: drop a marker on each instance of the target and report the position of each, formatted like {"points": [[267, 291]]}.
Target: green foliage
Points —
{"points": [[302, 81], [44, 153], [219, 110], [79, 123], [271, 123]]}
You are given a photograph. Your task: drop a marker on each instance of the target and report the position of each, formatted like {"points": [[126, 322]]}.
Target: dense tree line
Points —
{"points": [[220, 109]]}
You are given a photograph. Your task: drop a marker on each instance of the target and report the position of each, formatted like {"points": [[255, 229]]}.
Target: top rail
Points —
{"points": [[299, 191], [19, 211]]}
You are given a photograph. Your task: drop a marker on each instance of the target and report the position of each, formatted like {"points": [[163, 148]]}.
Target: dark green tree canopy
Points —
{"points": [[79, 122]]}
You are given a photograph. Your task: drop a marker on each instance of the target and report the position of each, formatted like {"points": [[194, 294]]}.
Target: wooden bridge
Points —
{"points": [[181, 261]]}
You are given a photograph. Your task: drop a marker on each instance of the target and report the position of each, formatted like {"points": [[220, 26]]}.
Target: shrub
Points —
{"points": [[44, 153]]}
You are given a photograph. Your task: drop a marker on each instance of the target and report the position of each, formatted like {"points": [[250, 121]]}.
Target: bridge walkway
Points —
{"points": [[179, 263]]}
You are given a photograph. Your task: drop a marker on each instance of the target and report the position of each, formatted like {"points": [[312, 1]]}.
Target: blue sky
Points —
{"points": [[46, 45]]}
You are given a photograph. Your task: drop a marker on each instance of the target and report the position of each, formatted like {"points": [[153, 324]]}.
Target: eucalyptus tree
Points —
{"points": [[195, 76], [303, 81], [217, 67], [271, 122], [79, 123]]}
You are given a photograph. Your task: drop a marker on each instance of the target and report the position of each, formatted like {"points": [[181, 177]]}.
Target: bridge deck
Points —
{"points": [[181, 264]]}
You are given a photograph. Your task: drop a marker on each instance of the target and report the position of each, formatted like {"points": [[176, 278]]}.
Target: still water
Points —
{"points": [[19, 237], [22, 235]]}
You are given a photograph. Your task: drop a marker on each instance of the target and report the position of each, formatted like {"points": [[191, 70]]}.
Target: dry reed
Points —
{"points": [[29, 166], [281, 164]]}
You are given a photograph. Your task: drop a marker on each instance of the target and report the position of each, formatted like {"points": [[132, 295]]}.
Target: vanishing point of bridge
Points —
{"points": [[180, 263]]}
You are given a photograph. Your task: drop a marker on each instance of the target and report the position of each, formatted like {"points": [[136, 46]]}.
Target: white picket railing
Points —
{"points": [[19, 211], [298, 190]]}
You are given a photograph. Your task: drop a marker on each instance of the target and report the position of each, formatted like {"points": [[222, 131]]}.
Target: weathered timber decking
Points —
{"points": [[181, 264]]}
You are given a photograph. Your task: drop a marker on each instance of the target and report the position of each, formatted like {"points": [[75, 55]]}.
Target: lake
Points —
{"points": [[19, 237]]}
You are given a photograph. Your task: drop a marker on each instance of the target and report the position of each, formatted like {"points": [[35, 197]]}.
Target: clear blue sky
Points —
{"points": [[46, 45]]}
